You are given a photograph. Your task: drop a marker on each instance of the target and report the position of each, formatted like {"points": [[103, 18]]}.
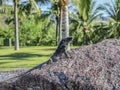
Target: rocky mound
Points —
{"points": [[93, 67]]}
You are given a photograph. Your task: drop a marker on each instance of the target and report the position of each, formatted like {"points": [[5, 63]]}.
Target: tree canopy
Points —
{"points": [[37, 27]]}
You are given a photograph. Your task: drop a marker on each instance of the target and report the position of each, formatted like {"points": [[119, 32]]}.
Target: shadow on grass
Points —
{"points": [[20, 56], [4, 62]]}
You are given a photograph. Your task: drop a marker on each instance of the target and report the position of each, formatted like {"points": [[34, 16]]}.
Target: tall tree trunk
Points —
{"points": [[65, 22], [57, 29], [64, 19], [85, 41], [16, 25], [60, 25]]}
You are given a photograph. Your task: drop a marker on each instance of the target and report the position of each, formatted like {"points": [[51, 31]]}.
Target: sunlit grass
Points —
{"points": [[26, 57]]}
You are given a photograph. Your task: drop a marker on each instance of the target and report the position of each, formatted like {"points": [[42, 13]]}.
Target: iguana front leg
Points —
{"points": [[66, 52]]}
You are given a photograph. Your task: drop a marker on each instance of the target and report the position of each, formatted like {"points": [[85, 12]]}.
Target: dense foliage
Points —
{"points": [[86, 26]]}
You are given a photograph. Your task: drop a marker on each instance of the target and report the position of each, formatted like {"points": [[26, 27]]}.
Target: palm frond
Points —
{"points": [[35, 6]]}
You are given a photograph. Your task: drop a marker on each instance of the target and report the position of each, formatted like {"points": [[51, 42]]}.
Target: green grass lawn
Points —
{"points": [[26, 57]]}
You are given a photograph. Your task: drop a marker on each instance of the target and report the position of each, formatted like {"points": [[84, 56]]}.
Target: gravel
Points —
{"points": [[92, 67], [5, 75]]}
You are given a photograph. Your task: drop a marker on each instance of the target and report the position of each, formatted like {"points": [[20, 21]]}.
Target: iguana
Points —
{"points": [[62, 49]]}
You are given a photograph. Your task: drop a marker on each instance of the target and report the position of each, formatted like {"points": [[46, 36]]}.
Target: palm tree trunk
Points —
{"points": [[16, 25], [85, 41], [60, 25], [64, 20], [57, 29]]}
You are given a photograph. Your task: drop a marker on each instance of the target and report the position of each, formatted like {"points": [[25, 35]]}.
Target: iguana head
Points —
{"points": [[66, 40]]}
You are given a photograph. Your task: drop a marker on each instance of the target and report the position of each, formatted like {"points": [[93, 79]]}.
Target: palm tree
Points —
{"points": [[55, 11], [34, 5], [60, 8], [85, 16], [113, 10], [16, 35], [63, 19]]}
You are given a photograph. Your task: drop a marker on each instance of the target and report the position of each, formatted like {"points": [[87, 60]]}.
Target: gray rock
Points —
{"points": [[93, 67]]}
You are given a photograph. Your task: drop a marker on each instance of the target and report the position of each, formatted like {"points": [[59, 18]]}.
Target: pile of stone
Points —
{"points": [[92, 67]]}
